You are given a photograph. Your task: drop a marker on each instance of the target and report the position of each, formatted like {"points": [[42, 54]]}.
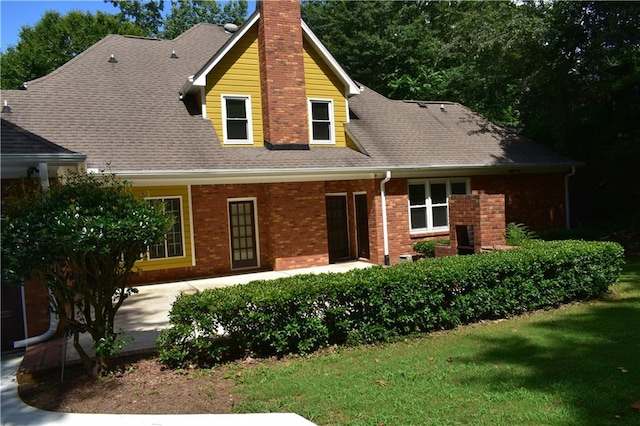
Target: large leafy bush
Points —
{"points": [[302, 313], [81, 239]]}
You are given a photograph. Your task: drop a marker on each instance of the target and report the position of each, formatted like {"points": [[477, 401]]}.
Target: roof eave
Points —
{"points": [[56, 159], [209, 176]]}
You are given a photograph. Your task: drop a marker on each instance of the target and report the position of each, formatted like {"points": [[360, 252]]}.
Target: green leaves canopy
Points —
{"points": [[81, 239], [84, 220], [565, 74]]}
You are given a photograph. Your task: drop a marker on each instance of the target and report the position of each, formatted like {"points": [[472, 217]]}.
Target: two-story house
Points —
{"points": [[269, 155]]}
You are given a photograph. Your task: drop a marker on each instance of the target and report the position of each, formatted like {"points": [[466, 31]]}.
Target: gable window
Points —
{"points": [[321, 116], [429, 203], [236, 119], [173, 245]]}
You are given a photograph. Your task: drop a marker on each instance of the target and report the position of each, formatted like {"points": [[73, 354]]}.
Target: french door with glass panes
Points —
{"points": [[242, 226]]}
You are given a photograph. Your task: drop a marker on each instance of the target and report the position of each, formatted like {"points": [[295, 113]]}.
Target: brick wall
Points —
{"points": [[37, 307], [297, 221], [537, 200], [284, 101], [292, 219]]}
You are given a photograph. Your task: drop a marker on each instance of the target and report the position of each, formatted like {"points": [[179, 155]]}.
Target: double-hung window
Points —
{"points": [[429, 203], [321, 117], [173, 244], [236, 119]]}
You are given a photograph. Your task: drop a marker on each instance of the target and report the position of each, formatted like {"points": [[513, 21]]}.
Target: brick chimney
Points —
{"points": [[284, 101]]}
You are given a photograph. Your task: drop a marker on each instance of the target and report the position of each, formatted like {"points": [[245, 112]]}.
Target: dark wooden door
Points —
{"points": [[337, 228], [244, 250], [362, 226]]}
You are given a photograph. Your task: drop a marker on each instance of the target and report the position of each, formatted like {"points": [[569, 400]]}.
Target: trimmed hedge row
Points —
{"points": [[302, 313]]}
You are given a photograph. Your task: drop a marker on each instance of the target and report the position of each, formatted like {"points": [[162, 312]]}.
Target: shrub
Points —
{"points": [[303, 313], [428, 248], [518, 233]]}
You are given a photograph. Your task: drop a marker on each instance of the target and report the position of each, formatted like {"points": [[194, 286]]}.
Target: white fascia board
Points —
{"points": [[58, 159], [475, 169], [213, 177], [200, 78], [352, 87]]}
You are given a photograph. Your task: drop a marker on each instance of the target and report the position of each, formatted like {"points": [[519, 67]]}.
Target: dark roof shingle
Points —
{"points": [[16, 140]]}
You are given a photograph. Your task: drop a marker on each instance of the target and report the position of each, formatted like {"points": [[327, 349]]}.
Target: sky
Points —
{"points": [[15, 14]]}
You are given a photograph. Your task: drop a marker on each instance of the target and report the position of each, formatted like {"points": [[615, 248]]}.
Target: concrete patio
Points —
{"points": [[142, 317]]}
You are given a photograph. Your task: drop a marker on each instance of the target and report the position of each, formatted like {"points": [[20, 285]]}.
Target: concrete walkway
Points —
{"points": [[143, 316]]}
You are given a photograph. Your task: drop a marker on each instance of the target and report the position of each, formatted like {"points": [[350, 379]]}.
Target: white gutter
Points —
{"points": [[566, 198], [385, 233], [53, 318]]}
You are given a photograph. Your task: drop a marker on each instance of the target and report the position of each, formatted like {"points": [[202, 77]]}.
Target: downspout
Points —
{"points": [[566, 198], [385, 233], [53, 327], [53, 318]]}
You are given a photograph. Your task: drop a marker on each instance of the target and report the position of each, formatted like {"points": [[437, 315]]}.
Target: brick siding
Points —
{"points": [[284, 101], [537, 200]]}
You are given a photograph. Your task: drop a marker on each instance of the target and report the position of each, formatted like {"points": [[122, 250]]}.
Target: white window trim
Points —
{"points": [[429, 204], [184, 246], [332, 123], [255, 222], [247, 104]]}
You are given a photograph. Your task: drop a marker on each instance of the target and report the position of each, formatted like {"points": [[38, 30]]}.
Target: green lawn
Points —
{"points": [[577, 365]]}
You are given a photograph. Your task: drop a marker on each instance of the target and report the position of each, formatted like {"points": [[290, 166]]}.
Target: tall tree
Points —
{"points": [[147, 15], [81, 239], [567, 74], [54, 40], [184, 14], [584, 101]]}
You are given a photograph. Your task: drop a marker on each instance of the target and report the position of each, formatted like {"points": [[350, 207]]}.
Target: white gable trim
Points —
{"points": [[200, 79]]}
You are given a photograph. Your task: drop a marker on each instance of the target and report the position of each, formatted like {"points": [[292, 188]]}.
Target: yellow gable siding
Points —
{"points": [[322, 83], [183, 192], [238, 73]]}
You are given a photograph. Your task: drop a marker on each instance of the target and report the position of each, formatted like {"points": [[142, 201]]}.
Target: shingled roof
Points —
{"points": [[423, 134], [126, 113], [16, 140]]}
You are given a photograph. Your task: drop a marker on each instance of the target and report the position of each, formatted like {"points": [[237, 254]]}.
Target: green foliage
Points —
{"points": [[55, 40], [527, 370], [81, 239], [428, 248], [186, 14], [146, 15], [183, 14], [518, 233], [565, 74], [302, 313]]}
